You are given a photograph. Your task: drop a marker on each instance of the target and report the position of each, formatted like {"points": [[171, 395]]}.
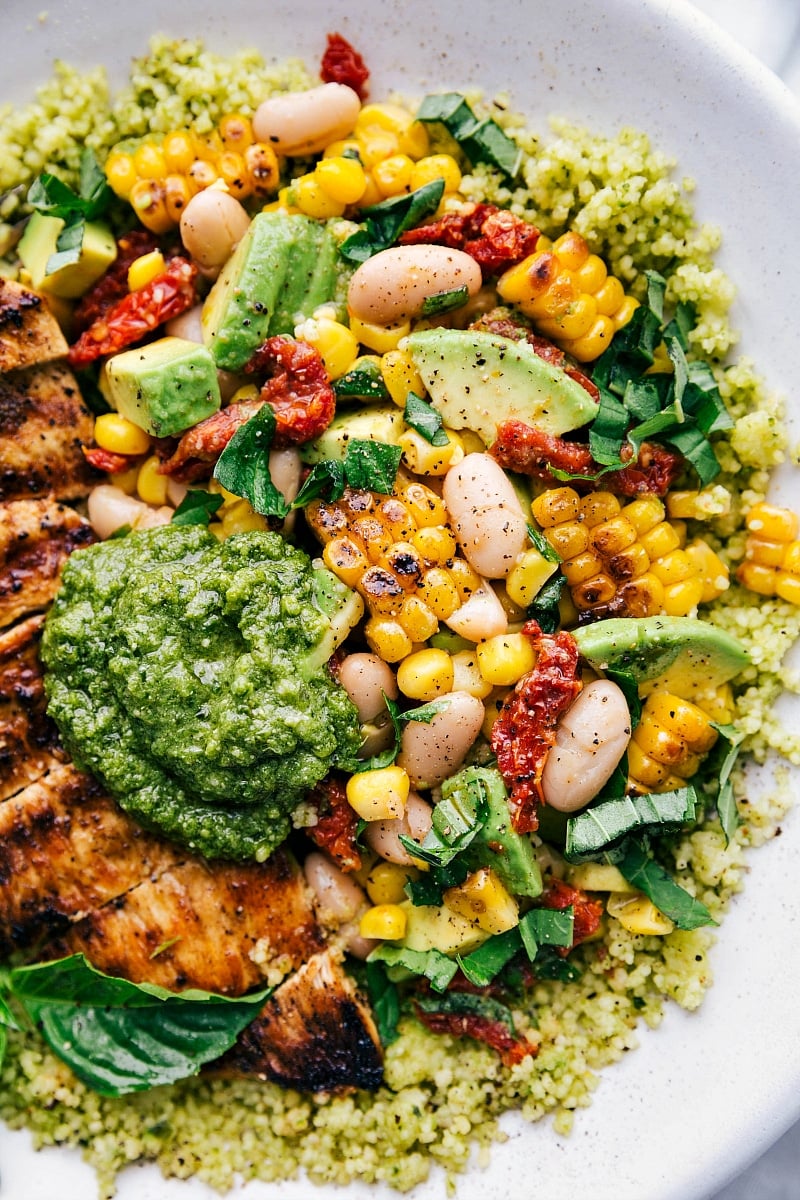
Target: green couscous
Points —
{"points": [[443, 1095]]}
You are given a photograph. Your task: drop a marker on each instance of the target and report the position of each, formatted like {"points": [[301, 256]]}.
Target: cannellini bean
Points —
{"points": [[486, 515], [305, 122], [110, 508], [337, 897], [430, 752], [384, 836], [366, 678], [591, 738], [189, 325], [154, 516], [212, 225], [285, 469], [176, 492], [480, 617], [360, 947], [376, 736], [391, 286]]}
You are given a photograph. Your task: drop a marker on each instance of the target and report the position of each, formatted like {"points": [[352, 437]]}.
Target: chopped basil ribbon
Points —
{"points": [[383, 223], [367, 464], [718, 766], [544, 607], [605, 824], [466, 1004], [641, 869], [197, 507], [364, 381], [425, 419], [540, 542], [437, 968], [384, 1000], [53, 198], [483, 141], [442, 302], [243, 466]]}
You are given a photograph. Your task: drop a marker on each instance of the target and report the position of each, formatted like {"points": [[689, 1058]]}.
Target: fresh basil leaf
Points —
{"points": [[544, 608], [608, 429], [681, 373], [467, 1004], [7, 1018], [243, 466], [546, 927], [121, 532], [483, 141], [656, 290], [626, 682], [703, 401], [719, 766], [425, 419], [69, 245], [429, 889], [93, 186], [640, 869], [385, 1001], [696, 449], [49, 195], [449, 109], [682, 323], [551, 965], [325, 479], [646, 396], [442, 302], [364, 381], [197, 508], [371, 465], [436, 967], [385, 222], [481, 966], [120, 1037], [424, 713], [540, 542], [606, 823]]}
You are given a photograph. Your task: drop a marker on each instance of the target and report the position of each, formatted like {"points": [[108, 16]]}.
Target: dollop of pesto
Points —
{"points": [[190, 677]]}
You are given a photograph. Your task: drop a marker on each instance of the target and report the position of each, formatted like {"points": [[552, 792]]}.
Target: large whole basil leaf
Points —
{"points": [[640, 869], [606, 823], [243, 466]]}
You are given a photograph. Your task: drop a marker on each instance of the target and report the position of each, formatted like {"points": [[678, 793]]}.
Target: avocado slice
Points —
{"points": [[164, 387], [477, 380], [688, 657], [378, 423], [510, 854], [311, 276], [38, 243], [437, 927]]}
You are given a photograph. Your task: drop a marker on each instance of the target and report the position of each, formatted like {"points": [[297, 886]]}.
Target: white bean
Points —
{"points": [[305, 122], [486, 515], [285, 470], [110, 508], [391, 286], [354, 943], [384, 836], [591, 738], [151, 517], [480, 617], [366, 678], [212, 225], [433, 751], [337, 897]]}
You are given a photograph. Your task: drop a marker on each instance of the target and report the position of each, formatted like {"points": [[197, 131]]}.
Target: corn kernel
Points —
{"points": [[422, 458], [334, 342], [346, 559], [597, 339], [377, 146], [118, 435], [504, 659], [242, 518], [644, 513], [234, 174], [418, 619], [426, 675], [655, 776], [787, 587], [147, 198], [599, 589], [313, 201], [386, 882], [569, 538], [440, 593], [757, 578], [393, 175], [126, 480], [528, 575], [426, 509], [401, 376], [660, 541], [680, 598], [342, 148], [598, 877], [791, 558], [581, 567], [624, 312], [149, 161], [145, 269], [151, 486], [710, 569], [379, 795], [466, 580], [571, 250], [385, 921], [391, 118], [121, 174], [556, 505], [388, 639], [773, 523], [380, 338], [574, 322], [482, 898], [343, 179], [686, 719], [591, 275], [599, 507], [467, 675], [414, 142], [638, 915], [436, 166], [612, 536], [177, 195], [767, 554], [610, 296], [643, 596], [436, 544]]}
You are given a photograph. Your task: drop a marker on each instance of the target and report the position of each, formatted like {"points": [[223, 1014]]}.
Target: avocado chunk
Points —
{"points": [[436, 927], [378, 423], [688, 657], [38, 243], [478, 380], [510, 854], [285, 267], [164, 387]]}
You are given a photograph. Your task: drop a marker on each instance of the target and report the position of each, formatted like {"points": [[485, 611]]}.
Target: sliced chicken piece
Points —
{"points": [[65, 849], [36, 538], [225, 927], [29, 333], [43, 426], [29, 744], [315, 1034]]}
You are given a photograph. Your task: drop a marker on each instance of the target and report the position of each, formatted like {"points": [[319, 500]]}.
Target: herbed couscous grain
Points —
{"points": [[443, 1096]]}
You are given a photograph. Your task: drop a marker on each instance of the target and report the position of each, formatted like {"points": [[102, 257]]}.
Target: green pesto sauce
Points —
{"points": [[182, 672]]}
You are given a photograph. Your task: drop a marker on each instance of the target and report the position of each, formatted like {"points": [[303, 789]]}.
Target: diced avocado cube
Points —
{"points": [[164, 387], [377, 423], [38, 243], [436, 927]]}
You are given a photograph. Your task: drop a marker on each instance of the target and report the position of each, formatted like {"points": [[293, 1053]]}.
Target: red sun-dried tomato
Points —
{"points": [[298, 390], [138, 313], [341, 63], [526, 728], [483, 1029], [106, 460], [494, 237], [588, 910], [337, 823], [113, 283], [201, 446]]}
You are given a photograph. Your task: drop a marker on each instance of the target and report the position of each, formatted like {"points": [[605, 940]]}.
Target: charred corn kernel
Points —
{"points": [[645, 513], [581, 567], [643, 596], [598, 877], [147, 198], [121, 174], [569, 538], [406, 564], [401, 376], [590, 593], [638, 915], [423, 458], [201, 174], [426, 675], [555, 506], [115, 433], [386, 882], [596, 339], [236, 131], [613, 536], [234, 174], [144, 269], [465, 579], [387, 639], [467, 675], [393, 175], [482, 898], [686, 720], [379, 795], [773, 523], [178, 150], [418, 619], [436, 544], [343, 179], [660, 541], [386, 922], [149, 161], [598, 507], [334, 342], [177, 195], [504, 659], [312, 200], [436, 166], [528, 575], [346, 559], [151, 486], [374, 536], [711, 569], [380, 338], [646, 774], [424, 506]]}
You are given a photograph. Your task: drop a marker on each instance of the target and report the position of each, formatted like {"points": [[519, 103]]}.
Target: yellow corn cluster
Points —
{"points": [[630, 556], [772, 553], [159, 177], [400, 555], [668, 744], [569, 295]]}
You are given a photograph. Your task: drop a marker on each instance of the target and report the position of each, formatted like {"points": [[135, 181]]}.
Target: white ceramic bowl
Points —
{"points": [[705, 1093]]}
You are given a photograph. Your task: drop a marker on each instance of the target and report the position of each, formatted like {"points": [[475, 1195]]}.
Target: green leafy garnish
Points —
{"points": [[425, 419], [627, 684], [540, 542], [642, 870], [483, 141], [429, 889], [484, 964], [544, 607], [442, 302], [385, 1001], [606, 823], [326, 479], [197, 508], [436, 967], [364, 381], [425, 713], [53, 198], [466, 1004], [367, 464], [243, 466], [384, 223], [719, 765]]}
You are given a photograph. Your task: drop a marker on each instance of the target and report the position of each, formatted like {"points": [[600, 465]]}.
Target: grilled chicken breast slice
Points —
{"points": [[314, 1034], [29, 744], [43, 426], [29, 333], [65, 849], [224, 927], [36, 538]]}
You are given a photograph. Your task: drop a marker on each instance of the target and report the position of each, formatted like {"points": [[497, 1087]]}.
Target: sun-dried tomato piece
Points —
{"points": [[341, 63], [530, 451], [298, 390], [138, 313], [106, 460], [337, 823], [113, 283], [493, 236], [497, 321], [483, 1029], [526, 728], [588, 910], [200, 447]]}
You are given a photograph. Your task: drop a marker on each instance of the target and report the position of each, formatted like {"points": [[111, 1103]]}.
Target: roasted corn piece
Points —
{"points": [[772, 553], [669, 743], [569, 295]]}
